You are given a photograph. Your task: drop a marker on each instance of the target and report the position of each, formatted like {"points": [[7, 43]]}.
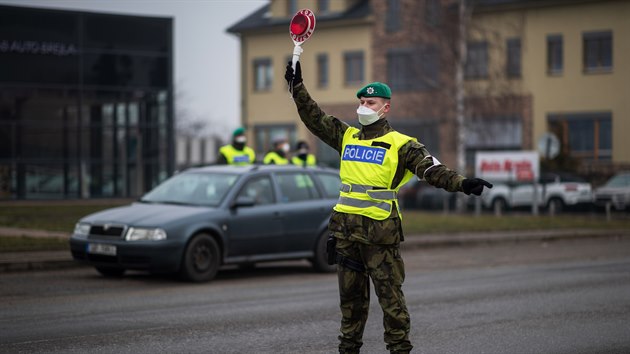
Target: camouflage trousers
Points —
{"points": [[385, 267]]}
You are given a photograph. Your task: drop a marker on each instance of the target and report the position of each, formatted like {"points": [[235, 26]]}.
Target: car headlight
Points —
{"points": [[140, 234], [82, 229]]}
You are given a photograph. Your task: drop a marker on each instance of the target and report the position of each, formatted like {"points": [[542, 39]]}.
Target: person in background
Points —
{"points": [[302, 157], [279, 154], [237, 153]]}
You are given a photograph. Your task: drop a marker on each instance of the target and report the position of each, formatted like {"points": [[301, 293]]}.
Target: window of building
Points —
{"points": [[354, 67], [425, 130], [503, 132], [432, 13], [263, 74], [124, 70], [111, 32], [398, 62], [598, 51], [292, 7], [587, 136], [323, 6], [476, 60], [492, 133], [392, 17], [413, 68], [514, 57], [554, 55], [110, 136], [322, 70]]}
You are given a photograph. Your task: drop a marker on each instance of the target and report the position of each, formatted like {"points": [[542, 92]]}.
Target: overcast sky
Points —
{"points": [[207, 76]]}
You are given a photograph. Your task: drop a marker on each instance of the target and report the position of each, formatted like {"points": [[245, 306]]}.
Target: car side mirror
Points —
{"points": [[243, 201]]}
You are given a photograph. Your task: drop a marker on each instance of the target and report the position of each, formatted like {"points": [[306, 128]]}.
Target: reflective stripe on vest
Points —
{"points": [[364, 204], [371, 191], [273, 157]]}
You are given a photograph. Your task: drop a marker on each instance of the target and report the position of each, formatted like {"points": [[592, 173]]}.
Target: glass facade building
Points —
{"points": [[86, 104]]}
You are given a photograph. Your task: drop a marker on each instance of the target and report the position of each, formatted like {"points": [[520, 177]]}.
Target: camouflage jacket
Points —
{"points": [[412, 156]]}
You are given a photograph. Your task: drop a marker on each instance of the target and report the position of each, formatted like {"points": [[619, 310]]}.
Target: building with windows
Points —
{"points": [[86, 107], [335, 67], [512, 70], [194, 150], [573, 66]]}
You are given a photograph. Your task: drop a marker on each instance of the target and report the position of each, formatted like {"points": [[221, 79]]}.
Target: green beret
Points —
{"points": [[238, 131], [375, 89]]}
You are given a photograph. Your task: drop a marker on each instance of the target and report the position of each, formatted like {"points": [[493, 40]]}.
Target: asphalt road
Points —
{"points": [[561, 297]]}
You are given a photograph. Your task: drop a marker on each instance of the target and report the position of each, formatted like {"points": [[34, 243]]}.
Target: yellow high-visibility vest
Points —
{"points": [[238, 157], [275, 158], [367, 170], [310, 160]]}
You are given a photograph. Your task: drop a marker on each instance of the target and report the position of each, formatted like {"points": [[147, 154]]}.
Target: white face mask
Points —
{"points": [[367, 115], [285, 148], [240, 139]]}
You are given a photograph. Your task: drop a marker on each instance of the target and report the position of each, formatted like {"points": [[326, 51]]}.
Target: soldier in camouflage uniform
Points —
{"points": [[366, 231]]}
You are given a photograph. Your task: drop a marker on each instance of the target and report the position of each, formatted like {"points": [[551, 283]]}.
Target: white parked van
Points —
{"points": [[555, 190]]}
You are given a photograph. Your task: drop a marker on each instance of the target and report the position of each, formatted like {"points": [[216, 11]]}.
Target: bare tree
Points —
{"points": [[494, 94], [187, 123], [464, 19]]}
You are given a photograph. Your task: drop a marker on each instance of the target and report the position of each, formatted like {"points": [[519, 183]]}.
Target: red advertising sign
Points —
{"points": [[520, 166]]}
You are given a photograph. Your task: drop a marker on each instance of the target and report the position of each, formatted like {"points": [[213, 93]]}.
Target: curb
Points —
{"points": [[19, 232], [49, 260], [36, 260], [477, 238]]}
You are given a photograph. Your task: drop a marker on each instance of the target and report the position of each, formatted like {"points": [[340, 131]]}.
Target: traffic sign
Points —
{"points": [[548, 146], [302, 26]]}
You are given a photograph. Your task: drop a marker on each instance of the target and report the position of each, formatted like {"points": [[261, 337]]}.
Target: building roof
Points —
{"points": [[517, 4], [261, 19]]}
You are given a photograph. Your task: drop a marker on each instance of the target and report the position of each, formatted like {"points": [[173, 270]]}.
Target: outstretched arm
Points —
{"points": [[429, 168]]}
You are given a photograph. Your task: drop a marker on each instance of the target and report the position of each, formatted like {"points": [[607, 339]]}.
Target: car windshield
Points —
{"points": [[561, 177], [619, 181], [207, 189], [566, 177]]}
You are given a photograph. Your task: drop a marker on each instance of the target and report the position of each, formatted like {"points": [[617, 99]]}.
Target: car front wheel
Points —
{"points": [[556, 205], [499, 205], [201, 259]]}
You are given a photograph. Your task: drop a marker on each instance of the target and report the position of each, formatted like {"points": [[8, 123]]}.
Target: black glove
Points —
{"points": [[293, 79], [474, 185]]}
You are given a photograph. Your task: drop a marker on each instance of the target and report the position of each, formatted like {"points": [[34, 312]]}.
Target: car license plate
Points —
{"points": [[101, 248]]}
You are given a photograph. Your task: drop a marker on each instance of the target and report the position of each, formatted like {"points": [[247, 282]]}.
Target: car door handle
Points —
{"points": [[277, 215]]}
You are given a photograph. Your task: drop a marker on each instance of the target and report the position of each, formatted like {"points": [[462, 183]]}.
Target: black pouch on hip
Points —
{"points": [[331, 244]]}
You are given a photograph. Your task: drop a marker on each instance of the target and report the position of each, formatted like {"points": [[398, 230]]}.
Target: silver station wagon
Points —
{"points": [[204, 218]]}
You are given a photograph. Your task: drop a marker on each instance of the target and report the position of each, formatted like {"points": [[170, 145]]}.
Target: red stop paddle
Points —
{"points": [[301, 28]]}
